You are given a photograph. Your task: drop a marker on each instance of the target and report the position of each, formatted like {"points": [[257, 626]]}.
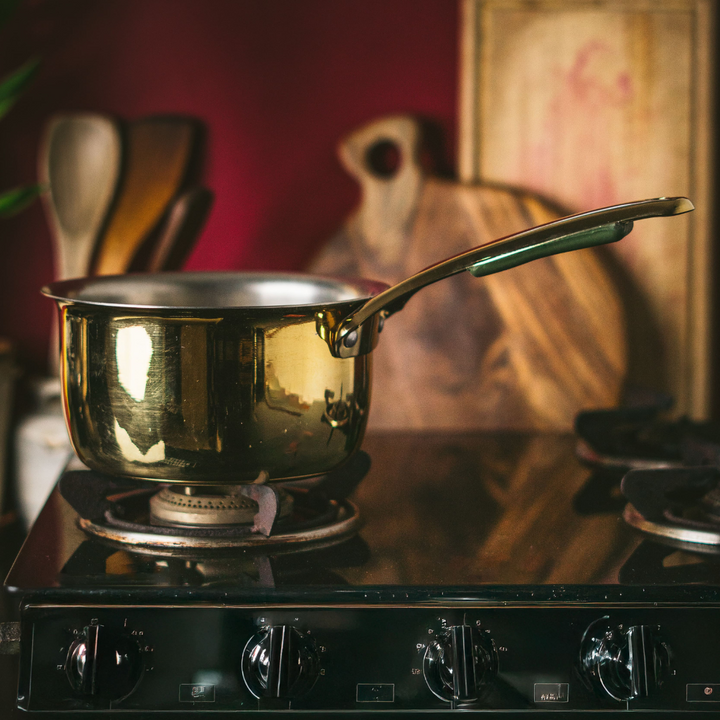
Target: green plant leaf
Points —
{"points": [[7, 9], [17, 199], [13, 84]]}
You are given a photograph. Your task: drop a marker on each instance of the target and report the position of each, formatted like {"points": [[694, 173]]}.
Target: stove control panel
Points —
{"points": [[365, 659]]}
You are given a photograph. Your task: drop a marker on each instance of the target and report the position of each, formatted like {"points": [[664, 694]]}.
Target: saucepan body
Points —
{"points": [[210, 378]]}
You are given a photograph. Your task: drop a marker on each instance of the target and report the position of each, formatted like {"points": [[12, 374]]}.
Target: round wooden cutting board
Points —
{"points": [[524, 349]]}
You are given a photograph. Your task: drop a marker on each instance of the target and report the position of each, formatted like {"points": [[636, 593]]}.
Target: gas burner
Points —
{"points": [[676, 505], [670, 469], [636, 438], [339, 520], [136, 515], [201, 507]]}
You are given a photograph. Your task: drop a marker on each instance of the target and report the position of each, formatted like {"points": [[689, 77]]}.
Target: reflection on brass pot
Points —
{"points": [[209, 396]]}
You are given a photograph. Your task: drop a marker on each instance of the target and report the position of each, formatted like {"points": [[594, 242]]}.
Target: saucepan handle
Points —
{"points": [[574, 232]]}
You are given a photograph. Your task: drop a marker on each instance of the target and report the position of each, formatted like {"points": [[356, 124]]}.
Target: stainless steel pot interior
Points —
{"points": [[212, 290]]}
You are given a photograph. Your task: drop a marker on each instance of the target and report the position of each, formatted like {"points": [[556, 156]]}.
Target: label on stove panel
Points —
{"points": [[702, 692], [375, 692], [552, 692], [196, 693]]}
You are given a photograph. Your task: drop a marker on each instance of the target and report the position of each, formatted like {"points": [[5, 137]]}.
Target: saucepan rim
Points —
{"points": [[106, 291]]}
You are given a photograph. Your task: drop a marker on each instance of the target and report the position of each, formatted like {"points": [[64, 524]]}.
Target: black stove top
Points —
{"points": [[491, 513], [502, 543]]}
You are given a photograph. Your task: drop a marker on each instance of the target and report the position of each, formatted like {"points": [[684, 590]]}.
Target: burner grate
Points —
{"points": [[633, 438]]}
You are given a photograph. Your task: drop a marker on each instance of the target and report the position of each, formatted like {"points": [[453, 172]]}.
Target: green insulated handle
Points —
{"points": [[554, 246]]}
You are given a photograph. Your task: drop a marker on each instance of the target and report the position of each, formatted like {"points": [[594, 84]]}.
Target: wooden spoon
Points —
{"points": [[159, 155], [80, 166], [184, 223]]}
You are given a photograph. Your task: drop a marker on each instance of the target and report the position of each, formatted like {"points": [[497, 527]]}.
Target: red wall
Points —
{"points": [[277, 83]]}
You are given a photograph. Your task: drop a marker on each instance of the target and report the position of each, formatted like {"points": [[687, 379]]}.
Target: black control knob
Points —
{"points": [[460, 664], [104, 664], [280, 662], [624, 662]]}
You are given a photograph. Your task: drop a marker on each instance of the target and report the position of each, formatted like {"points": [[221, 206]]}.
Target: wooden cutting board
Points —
{"points": [[525, 349], [595, 102]]}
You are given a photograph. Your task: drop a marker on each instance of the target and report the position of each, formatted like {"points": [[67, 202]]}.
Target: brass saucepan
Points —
{"points": [[216, 378]]}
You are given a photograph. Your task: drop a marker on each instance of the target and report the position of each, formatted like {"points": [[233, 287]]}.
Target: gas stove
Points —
{"points": [[437, 572]]}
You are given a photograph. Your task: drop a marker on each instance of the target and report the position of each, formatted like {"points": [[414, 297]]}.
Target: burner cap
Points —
{"points": [[211, 506]]}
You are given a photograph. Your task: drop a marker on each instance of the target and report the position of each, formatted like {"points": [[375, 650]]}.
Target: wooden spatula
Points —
{"points": [[79, 164], [182, 226], [159, 157]]}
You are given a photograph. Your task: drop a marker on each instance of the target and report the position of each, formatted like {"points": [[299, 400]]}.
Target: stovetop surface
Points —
{"points": [[479, 516]]}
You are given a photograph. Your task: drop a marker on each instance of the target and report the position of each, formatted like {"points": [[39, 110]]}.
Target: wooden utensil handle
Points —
{"points": [[184, 223]]}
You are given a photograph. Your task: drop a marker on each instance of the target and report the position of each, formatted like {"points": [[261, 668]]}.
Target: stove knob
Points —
{"points": [[624, 663], [280, 662], [460, 664], [104, 664]]}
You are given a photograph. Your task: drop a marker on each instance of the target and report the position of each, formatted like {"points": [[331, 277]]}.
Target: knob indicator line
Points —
{"points": [[93, 658]]}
